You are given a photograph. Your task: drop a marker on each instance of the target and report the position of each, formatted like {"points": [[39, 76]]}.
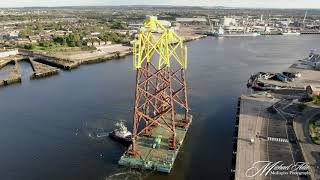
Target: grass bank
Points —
{"points": [[315, 136]]}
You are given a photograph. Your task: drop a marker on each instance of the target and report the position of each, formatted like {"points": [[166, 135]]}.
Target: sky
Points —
{"points": [[227, 3]]}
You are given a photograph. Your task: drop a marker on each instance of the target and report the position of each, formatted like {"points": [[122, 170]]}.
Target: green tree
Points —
{"points": [[25, 32], [29, 46], [74, 40], [60, 40], [46, 44], [105, 37], [92, 41]]}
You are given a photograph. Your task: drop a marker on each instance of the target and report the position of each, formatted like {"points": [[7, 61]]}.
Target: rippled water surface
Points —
{"points": [[47, 126]]}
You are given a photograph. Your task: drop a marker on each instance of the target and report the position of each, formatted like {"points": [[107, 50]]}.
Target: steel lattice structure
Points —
{"points": [[160, 61]]}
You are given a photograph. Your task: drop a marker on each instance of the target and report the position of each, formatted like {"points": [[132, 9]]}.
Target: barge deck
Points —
{"points": [[158, 159]]}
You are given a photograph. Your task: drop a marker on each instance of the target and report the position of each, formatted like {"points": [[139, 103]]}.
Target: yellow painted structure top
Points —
{"points": [[158, 43]]}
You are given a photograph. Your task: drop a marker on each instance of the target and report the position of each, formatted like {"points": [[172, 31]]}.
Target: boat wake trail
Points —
{"points": [[130, 175]]}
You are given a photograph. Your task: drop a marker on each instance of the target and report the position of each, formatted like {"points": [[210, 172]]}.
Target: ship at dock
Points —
{"points": [[243, 34], [291, 33], [221, 33]]}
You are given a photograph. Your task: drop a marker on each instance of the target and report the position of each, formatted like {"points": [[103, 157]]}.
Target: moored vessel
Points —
{"points": [[241, 34]]}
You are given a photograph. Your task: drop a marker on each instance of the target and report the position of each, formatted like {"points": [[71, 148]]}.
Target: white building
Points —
{"points": [[226, 21], [192, 20], [165, 23], [234, 29], [258, 29]]}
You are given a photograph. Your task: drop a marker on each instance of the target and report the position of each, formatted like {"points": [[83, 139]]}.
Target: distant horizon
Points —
{"points": [[252, 4], [159, 5]]}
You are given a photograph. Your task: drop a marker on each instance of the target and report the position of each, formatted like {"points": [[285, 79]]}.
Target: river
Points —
{"points": [[46, 125]]}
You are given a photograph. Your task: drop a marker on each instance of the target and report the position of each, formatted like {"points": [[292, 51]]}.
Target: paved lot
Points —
{"points": [[269, 134], [308, 76]]}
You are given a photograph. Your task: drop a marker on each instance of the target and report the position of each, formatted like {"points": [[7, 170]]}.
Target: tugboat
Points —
{"points": [[121, 134]]}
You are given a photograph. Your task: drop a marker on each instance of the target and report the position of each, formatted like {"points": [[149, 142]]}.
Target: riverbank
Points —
{"points": [[73, 59], [274, 120], [48, 64], [80, 102]]}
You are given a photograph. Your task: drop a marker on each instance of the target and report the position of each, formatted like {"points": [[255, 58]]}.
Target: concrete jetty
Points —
{"points": [[56, 62], [49, 60], [308, 76], [263, 136], [41, 70], [310, 32], [13, 76], [67, 61], [104, 58]]}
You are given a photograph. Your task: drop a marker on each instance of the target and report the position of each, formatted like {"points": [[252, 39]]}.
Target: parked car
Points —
{"points": [[292, 75], [289, 76], [282, 77]]}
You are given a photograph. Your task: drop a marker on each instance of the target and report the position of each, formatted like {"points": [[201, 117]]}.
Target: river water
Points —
{"points": [[47, 125]]}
